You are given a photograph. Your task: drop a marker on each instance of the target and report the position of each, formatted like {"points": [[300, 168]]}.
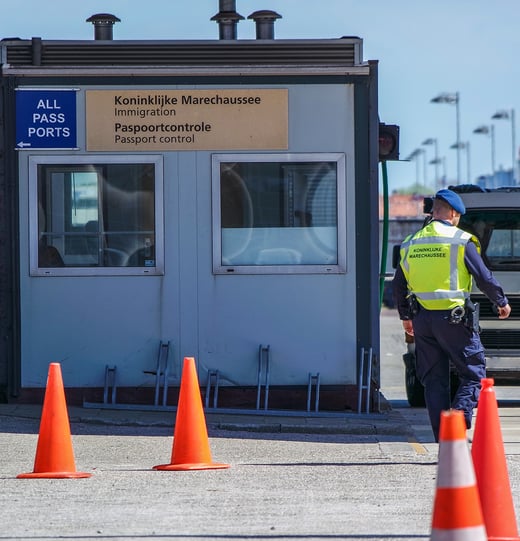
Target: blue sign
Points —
{"points": [[45, 119]]}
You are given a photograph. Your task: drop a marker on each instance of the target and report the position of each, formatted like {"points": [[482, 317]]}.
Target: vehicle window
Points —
{"points": [[96, 216], [504, 245], [277, 214], [499, 234]]}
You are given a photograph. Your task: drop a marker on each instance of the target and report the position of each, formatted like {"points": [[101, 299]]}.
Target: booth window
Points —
{"points": [[279, 213], [91, 217]]}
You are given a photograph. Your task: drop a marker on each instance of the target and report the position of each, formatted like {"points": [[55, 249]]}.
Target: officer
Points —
{"points": [[431, 287]]}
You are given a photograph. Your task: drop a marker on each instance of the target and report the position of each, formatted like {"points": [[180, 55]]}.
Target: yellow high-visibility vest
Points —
{"points": [[432, 261]]}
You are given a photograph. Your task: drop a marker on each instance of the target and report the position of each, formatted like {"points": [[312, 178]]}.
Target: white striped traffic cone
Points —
{"points": [[457, 513]]}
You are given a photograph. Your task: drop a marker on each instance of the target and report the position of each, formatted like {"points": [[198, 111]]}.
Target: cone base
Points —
{"points": [[492, 538], [54, 475], [192, 466]]}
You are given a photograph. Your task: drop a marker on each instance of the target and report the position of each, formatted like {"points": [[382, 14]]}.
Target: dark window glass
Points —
{"points": [[499, 234], [279, 213], [96, 215]]}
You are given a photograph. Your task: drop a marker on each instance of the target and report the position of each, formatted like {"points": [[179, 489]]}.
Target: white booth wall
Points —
{"points": [[308, 320]]}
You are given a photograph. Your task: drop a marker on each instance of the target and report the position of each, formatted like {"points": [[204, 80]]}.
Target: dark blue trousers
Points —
{"points": [[437, 343]]}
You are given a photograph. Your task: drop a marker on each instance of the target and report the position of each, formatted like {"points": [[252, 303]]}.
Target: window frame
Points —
{"points": [[82, 160], [338, 268]]}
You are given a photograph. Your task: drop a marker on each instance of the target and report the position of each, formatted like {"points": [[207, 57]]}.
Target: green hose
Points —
{"points": [[384, 240]]}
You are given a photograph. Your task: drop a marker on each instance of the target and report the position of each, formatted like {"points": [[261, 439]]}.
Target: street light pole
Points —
{"points": [[453, 98], [435, 161], [425, 166], [465, 146], [510, 115], [468, 164], [489, 130], [415, 156], [458, 137], [513, 140]]}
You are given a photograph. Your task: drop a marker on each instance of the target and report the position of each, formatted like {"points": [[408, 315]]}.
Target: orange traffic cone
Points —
{"points": [[457, 514], [490, 465], [190, 439], [54, 455]]}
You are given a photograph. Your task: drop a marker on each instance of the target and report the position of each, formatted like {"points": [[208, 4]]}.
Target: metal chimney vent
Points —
{"points": [[227, 19], [264, 20], [103, 25]]}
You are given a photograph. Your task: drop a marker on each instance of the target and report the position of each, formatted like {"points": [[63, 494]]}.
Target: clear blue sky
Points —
{"points": [[424, 47]]}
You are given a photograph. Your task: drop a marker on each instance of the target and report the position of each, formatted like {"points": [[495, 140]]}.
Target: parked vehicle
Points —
{"points": [[493, 215]]}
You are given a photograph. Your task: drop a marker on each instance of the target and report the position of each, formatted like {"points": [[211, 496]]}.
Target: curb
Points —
{"points": [[386, 423]]}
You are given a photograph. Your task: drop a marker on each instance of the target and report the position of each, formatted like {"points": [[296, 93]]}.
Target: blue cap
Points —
{"points": [[453, 199]]}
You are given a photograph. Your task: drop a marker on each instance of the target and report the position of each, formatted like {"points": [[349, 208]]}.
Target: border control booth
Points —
{"points": [[215, 199]]}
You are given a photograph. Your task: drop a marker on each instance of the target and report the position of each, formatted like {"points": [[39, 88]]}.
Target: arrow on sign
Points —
{"points": [[21, 144]]}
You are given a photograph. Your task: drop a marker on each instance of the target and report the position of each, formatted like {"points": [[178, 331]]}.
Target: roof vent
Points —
{"points": [[264, 20], [227, 19], [103, 25]]}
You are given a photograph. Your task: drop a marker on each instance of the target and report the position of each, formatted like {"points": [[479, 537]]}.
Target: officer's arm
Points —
{"points": [[400, 292], [484, 279]]}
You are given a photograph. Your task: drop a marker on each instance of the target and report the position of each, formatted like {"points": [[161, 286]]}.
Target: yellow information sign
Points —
{"points": [[220, 119]]}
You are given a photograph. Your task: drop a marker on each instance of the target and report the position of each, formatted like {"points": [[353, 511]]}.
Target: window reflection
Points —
{"points": [[276, 213], [99, 215]]}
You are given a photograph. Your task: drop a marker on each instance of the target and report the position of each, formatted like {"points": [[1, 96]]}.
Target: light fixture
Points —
{"points": [[452, 98], [503, 114], [488, 130]]}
